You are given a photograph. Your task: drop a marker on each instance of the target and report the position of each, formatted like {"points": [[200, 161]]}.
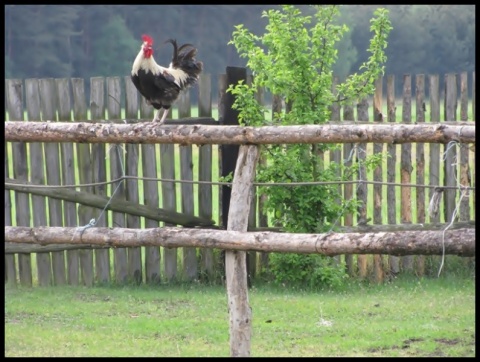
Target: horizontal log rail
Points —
{"points": [[151, 133], [456, 242], [101, 202]]}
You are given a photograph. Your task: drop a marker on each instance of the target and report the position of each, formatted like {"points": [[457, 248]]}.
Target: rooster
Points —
{"points": [[159, 85]]}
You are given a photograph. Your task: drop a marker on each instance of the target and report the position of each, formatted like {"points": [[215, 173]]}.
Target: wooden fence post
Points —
{"points": [[235, 261]]}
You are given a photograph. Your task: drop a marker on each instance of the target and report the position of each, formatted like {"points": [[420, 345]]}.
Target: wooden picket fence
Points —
{"points": [[82, 163]]}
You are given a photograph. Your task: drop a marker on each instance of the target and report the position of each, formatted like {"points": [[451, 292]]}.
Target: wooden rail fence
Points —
{"points": [[67, 163]]}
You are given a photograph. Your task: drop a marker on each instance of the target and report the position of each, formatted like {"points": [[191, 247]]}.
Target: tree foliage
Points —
{"points": [[294, 59]]}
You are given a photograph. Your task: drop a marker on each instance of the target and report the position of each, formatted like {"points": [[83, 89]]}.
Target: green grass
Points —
{"points": [[406, 317]]}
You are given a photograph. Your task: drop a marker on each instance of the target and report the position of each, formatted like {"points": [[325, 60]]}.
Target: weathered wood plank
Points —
{"points": [[378, 270], [465, 173], [99, 202], [151, 198], [348, 115], [473, 153], [135, 270], [420, 164], [434, 157], [252, 217], [393, 261], [84, 164], [205, 194], [64, 109], [190, 262], [450, 156], [221, 105], [169, 202], [117, 169], [10, 269], [97, 112], [37, 175], [235, 261], [362, 114], [14, 105], [336, 153], [48, 106], [406, 165]]}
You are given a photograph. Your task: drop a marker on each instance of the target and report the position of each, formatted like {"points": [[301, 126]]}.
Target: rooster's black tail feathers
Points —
{"points": [[184, 59]]}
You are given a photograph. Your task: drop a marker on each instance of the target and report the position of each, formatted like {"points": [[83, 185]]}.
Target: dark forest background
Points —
{"points": [[102, 40]]}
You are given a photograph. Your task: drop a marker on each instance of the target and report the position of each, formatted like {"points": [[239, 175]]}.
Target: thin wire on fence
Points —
{"points": [[219, 183]]}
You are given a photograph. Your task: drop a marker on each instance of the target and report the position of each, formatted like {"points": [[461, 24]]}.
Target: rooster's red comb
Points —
{"points": [[148, 39]]}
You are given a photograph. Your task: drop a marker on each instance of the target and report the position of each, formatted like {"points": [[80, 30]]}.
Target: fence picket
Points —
{"points": [[85, 173], [14, 103], [348, 115], [97, 112], [169, 202], [190, 263], [135, 271], [465, 177], [117, 170], [362, 114], [450, 150], [52, 163], [378, 176], [10, 270], [393, 261], [64, 109], [37, 176], [406, 166], [420, 164], [150, 197], [205, 202]]}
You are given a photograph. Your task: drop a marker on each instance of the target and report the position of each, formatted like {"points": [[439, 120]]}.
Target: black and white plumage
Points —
{"points": [[159, 85]]}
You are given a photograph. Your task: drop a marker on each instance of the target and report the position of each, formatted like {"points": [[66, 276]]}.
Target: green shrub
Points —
{"points": [[307, 270]]}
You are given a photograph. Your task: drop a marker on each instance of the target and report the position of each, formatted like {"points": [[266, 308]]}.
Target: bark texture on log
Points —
{"points": [[235, 260], [98, 201], [238, 135], [457, 242]]}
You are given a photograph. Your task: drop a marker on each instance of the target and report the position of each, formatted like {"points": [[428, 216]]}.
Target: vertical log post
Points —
{"points": [[235, 261]]}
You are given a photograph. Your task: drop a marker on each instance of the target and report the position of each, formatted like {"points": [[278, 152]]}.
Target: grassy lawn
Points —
{"points": [[405, 317]]}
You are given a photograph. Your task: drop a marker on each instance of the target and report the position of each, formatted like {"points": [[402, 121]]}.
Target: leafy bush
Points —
{"points": [[294, 60], [312, 271]]}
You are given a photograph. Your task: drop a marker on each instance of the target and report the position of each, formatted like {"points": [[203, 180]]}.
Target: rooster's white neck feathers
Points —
{"points": [[150, 65]]}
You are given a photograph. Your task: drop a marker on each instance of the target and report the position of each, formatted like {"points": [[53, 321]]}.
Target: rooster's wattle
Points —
{"points": [[159, 85]]}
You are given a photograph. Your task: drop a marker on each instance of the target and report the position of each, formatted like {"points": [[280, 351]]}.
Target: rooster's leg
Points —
{"points": [[165, 112], [156, 117]]}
